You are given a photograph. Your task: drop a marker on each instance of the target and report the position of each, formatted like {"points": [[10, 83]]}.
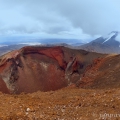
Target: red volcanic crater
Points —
{"points": [[42, 68]]}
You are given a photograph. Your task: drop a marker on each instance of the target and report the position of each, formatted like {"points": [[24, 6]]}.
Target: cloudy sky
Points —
{"points": [[78, 19]]}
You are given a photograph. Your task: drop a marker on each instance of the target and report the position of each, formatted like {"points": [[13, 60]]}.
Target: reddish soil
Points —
{"points": [[88, 83], [65, 104]]}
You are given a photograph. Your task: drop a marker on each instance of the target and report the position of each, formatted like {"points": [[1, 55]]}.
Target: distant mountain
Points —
{"points": [[108, 44], [7, 46], [12, 40]]}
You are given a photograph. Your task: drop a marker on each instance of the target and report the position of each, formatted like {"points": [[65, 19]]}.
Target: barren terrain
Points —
{"points": [[65, 104], [59, 84]]}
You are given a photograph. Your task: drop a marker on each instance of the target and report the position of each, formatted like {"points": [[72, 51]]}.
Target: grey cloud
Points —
{"points": [[93, 16], [77, 18]]}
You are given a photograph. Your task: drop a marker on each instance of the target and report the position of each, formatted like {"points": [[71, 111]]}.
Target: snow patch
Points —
{"points": [[109, 36]]}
